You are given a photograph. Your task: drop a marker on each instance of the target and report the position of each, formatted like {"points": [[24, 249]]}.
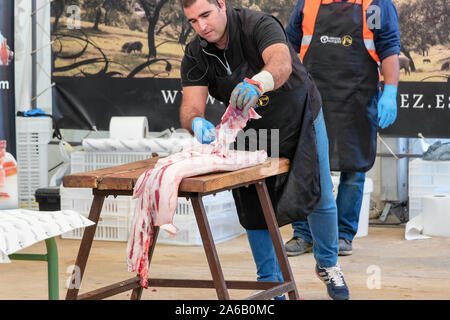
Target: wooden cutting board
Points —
{"points": [[123, 177]]}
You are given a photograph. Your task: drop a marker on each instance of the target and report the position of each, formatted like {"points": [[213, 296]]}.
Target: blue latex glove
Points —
{"points": [[245, 95], [387, 106], [203, 130], [34, 113]]}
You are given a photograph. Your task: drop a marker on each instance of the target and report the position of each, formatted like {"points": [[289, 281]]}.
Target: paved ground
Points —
{"points": [[383, 266]]}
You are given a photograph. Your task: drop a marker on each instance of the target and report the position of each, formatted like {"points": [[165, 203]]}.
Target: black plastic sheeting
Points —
{"points": [[81, 103]]}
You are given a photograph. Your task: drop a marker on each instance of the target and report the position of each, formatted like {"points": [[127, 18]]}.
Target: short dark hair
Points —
{"points": [[188, 3]]}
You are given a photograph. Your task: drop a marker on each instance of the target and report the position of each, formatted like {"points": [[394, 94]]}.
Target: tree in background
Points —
{"points": [[422, 24], [152, 9], [115, 7], [95, 11], [186, 30], [436, 14], [106, 11], [59, 7], [57, 11]]}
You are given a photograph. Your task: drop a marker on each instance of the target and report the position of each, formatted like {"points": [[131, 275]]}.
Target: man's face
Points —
{"points": [[208, 20]]}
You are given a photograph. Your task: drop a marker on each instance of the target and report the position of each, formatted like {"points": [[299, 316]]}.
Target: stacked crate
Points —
{"points": [[426, 178]]}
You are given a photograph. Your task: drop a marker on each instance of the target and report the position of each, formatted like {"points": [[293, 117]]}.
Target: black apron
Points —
{"points": [[347, 78], [295, 194]]}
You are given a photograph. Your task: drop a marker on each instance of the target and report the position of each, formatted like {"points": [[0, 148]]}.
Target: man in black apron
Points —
{"points": [[243, 56], [342, 43]]}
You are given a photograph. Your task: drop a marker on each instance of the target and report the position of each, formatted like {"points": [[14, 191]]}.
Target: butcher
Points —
{"points": [[242, 58]]}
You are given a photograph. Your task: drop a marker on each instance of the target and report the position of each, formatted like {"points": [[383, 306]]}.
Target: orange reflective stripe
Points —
{"points": [[310, 10], [348, 1], [368, 34]]}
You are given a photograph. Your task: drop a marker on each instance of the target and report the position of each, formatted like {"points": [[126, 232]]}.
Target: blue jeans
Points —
{"points": [[349, 200], [323, 221]]}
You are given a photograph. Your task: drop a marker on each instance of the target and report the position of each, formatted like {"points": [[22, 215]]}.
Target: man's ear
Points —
{"points": [[220, 4]]}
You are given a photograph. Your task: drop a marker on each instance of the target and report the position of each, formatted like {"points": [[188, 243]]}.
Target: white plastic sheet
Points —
{"points": [[22, 228]]}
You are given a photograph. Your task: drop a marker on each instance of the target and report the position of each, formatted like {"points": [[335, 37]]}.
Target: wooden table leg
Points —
{"points": [[210, 248], [137, 292], [274, 231], [85, 248]]}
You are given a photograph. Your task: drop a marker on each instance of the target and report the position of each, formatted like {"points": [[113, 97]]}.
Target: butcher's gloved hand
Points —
{"points": [[203, 130], [245, 95], [387, 106]]}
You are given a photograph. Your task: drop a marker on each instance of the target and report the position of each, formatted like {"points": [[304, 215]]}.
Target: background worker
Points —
{"points": [[238, 55], [342, 44]]}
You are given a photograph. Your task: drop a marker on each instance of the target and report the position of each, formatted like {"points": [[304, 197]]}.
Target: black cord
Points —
{"points": [[197, 62], [56, 166]]}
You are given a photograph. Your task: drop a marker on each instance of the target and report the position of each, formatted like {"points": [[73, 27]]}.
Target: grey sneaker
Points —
{"points": [[345, 247], [297, 246]]}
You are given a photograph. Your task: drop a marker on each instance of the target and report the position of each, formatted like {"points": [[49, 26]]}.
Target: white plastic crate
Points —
{"points": [[224, 226], [80, 199], [115, 219], [429, 177], [426, 178], [222, 217], [82, 161], [33, 136], [415, 206], [117, 214], [110, 228], [218, 203]]}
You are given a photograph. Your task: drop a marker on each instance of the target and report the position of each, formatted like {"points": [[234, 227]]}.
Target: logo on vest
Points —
{"points": [[263, 101], [345, 41]]}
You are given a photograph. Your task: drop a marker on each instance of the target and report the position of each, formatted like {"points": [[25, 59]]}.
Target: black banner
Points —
{"points": [[7, 102], [81, 103], [422, 107]]}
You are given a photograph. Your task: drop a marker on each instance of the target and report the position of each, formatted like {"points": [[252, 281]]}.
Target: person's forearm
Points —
{"points": [[193, 105], [390, 68], [278, 62], [187, 115]]}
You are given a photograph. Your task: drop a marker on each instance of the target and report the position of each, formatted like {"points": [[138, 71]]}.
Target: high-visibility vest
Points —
{"points": [[310, 11]]}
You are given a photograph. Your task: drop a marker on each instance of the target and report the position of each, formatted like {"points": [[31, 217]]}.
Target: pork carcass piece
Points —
{"points": [[157, 188]]}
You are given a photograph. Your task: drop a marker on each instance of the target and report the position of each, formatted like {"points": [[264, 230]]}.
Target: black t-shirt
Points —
{"points": [[249, 34], [267, 32]]}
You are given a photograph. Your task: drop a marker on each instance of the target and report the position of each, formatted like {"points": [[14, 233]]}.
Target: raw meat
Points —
{"points": [[157, 188], [6, 55]]}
